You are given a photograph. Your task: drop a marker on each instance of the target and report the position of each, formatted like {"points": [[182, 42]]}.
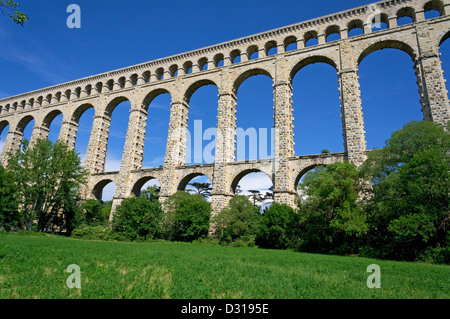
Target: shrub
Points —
{"points": [[94, 233], [188, 217], [278, 228], [239, 219], [137, 218]]}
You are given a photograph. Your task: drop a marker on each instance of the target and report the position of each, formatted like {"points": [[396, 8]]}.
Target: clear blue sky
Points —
{"points": [[118, 34]]}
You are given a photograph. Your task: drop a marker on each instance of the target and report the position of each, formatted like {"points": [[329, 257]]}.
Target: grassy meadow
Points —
{"points": [[34, 266]]}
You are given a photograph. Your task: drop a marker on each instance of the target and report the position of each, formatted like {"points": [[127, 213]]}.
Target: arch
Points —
{"points": [[195, 86], [76, 115], [444, 38], [311, 60], [380, 18], [186, 179], [239, 176], [247, 74], [153, 95], [304, 171], [137, 187], [218, 60], [114, 103], [310, 35], [251, 50], [270, 46], [159, 73], [235, 55], [24, 122], [333, 33], [355, 24], [203, 64], [387, 44], [187, 66], [290, 43], [3, 125], [50, 117], [406, 12], [173, 70], [97, 191], [436, 5]]}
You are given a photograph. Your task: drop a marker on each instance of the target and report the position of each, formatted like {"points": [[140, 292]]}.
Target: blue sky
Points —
{"points": [[118, 34]]}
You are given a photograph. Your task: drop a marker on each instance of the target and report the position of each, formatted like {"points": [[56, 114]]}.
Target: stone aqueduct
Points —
{"points": [[142, 83]]}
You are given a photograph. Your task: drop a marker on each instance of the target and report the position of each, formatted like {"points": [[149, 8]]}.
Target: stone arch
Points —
{"points": [[239, 176], [48, 119], [97, 190], [355, 24], [218, 58], [332, 29], [136, 190], [251, 50], [443, 38], [269, 46], [23, 123], [437, 5], [111, 106], [406, 12], [387, 44], [3, 125], [305, 170], [247, 74], [310, 35], [311, 60], [234, 55], [186, 179], [78, 113], [153, 95], [195, 86]]}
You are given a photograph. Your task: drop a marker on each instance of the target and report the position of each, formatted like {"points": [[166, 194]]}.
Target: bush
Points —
{"points": [[436, 255], [188, 217], [278, 228], [137, 218], [94, 233], [239, 220]]}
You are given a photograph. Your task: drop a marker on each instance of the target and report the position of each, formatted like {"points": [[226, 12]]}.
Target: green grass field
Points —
{"points": [[35, 267]]}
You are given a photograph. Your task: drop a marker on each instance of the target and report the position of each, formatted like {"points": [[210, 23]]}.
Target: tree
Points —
{"points": [[151, 193], [47, 177], [203, 189], [278, 228], [187, 218], [137, 218], [409, 194], [239, 219], [332, 220], [9, 210], [11, 8], [92, 213], [256, 197]]}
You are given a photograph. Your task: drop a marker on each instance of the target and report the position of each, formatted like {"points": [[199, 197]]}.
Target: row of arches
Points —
{"points": [[312, 109], [376, 21]]}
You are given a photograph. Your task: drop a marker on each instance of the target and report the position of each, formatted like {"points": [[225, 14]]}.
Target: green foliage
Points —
{"points": [[11, 7], [278, 228], [47, 177], [151, 193], [97, 232], [137, 218], [188, 217], [9, 210], [238, 221], [92, 213], [332, 220], [408, 206]]}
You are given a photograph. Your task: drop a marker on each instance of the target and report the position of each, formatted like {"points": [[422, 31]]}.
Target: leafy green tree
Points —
{"points": [[332, 220], [278, 228], [239, 219], [187, 218], [256, 197], [47, 177], [409, 196], [9, 210], [92, 213], [10, 8], [137, 218], [151, 193]]}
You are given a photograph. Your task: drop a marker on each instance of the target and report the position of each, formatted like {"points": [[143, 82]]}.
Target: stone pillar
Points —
{"points": [[133, 155], [351, 108], [225, 152], [39, 132], [12, 144], [430, 78], [98, 144], [176, 147], [284, 190], [68, 134]]}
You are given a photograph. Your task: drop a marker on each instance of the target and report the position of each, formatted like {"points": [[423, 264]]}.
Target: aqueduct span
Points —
{"points": [[181, 75]]}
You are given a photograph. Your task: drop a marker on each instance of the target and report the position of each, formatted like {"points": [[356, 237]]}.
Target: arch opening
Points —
{"points": [[433, 9], [4, 129], [255, 185], [84, 117], [196, 183], [104, 191], [53, 122], [145, 184]]}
